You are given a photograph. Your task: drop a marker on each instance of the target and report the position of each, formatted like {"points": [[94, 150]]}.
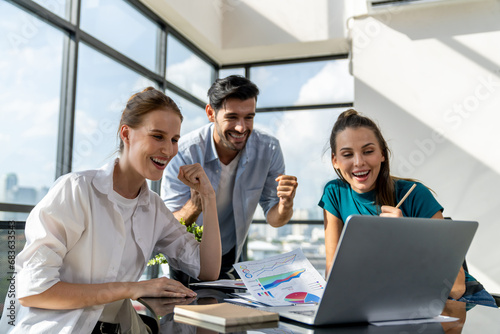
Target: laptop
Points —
{"points": [[389, 269]]}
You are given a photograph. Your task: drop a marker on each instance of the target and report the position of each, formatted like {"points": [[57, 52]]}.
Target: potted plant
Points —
{"points": [[162, 260]]}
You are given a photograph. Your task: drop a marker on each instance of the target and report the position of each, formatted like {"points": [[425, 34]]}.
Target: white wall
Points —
{"points": [[430, 75]]}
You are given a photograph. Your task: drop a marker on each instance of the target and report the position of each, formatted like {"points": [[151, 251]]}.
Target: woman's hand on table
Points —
{"points": [[160, 287]]}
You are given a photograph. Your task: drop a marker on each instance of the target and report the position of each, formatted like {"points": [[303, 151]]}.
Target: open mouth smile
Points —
{"points": [[361, 176], [159, 162], [237, 135]]}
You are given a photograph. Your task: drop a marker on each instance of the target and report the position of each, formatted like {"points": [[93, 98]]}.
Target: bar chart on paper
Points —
{"points": [[282, 279]]}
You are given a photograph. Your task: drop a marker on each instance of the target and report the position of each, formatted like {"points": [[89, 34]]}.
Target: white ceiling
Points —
{"points": [[238, 31]]}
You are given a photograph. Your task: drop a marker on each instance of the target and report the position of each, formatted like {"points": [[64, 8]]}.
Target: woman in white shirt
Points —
{"points": [[88, 241]]}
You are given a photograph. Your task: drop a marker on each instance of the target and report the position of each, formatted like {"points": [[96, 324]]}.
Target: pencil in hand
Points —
{"points": [[406, 195]]}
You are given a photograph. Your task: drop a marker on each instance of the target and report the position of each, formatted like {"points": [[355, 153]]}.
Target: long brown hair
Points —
{"points": [[384, 186], [142, 103]]}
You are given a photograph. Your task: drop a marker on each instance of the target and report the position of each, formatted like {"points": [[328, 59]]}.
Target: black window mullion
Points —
{"points": [[68, 94], [286, 61], [161, 65], [306, 107], [161, 55]]}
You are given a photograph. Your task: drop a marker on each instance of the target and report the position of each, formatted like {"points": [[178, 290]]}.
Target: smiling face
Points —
{"points": [[151, 146], [358, 156], [233, 125]]}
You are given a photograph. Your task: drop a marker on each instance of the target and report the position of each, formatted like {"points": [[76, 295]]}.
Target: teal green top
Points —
{"points": [[341, 201]]}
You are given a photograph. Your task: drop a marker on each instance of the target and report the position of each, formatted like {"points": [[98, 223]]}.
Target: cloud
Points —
{"points": [[332, 84], [191, 74]]}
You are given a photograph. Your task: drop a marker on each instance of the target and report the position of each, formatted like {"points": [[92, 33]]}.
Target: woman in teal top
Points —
{"points": [[360, 157]]}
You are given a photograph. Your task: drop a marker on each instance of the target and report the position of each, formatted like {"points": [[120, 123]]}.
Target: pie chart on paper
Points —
{"points": [[302, 297]]}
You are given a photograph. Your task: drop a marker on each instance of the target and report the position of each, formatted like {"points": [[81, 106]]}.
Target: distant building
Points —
{"points": [[11, 192]]}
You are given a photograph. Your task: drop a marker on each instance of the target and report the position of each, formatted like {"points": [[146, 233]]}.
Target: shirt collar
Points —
{"points": [[103, 182], [211, 151]]}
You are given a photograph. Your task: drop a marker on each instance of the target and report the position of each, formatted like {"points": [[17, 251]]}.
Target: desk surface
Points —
{"points": [[472, 319]]}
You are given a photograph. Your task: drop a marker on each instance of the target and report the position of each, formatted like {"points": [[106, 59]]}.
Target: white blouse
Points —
{"points": [[77, 235]]}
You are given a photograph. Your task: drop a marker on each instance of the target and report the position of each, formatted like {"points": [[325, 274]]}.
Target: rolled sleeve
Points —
{"points": [[39, 272]]}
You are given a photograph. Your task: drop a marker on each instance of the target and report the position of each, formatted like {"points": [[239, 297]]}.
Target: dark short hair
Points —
{"points": [[141, 104], [233, 86]]}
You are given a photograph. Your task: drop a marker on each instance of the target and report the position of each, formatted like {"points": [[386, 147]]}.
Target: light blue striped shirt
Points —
{"points": [[260, 163]]}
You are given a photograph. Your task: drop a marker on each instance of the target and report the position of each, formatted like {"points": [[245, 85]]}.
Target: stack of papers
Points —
{"points": [[282, 280]]}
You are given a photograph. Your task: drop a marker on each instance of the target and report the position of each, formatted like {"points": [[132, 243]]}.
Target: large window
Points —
{"points": [[30, 103]]}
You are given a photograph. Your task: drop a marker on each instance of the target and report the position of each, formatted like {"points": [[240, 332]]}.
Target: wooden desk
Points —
{"points": [[476, 319]]}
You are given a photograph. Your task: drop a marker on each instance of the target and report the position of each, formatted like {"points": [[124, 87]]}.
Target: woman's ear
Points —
{"points": [[124, 134], [334, 161]]}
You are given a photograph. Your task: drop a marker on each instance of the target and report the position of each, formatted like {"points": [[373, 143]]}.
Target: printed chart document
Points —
{"points": [[282, 280]]}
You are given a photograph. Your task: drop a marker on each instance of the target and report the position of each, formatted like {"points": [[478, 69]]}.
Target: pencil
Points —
{"points": [[406, 195]]}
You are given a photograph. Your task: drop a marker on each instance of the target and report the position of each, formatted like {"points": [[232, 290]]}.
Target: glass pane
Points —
{"points": [[225, 72], [304, 138], [122, 27], [29, 100], [103, 89], [312, 83], [188, 71], [194, 116], [59, 7], [265, 241]]}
